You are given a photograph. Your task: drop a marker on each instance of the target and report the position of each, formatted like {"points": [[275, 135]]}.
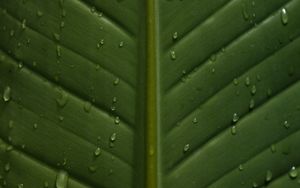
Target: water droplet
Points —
{"points": [[46, 184], [254, 185], [58, 51], [173, 55], [269, 176], [23, 25], [293, 173], [39, 13], [247, 81], [62, 98], [116, 81], [35, 126], [12, 33], [63, 13], [92, 169], [269, 92], [186, 148], [62, 24], [113, 137], [21, 185], [284, 16], [97, 152], [121, 44], [7, 167], [253, 90], [61, 118], [245, 13], [213, 57], [195, 121], [61, 179], [241, 167], [175, 36], [233, 130], [117, 120], [251, 104], [9, 148], [235, 81], [93, 9], [286, 124], [273, 148], [7, 94], [56, 36], [87, 106], [235, 118]]}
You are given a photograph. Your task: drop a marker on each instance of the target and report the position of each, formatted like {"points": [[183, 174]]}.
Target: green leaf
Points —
{"points": [[149, 93]]}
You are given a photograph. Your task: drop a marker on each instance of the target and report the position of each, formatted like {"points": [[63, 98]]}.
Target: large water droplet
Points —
{"points": [[293, 173], [61, 179], [7, 94], [117, 120], [116, 81], [121, 44], [195, 121], [284, 16]]}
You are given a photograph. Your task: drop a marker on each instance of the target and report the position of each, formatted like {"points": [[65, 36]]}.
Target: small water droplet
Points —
{"points": [[273, 148], [93, 9], [253, 90], [269, 176], [87, 106], [97, 152], [233, 130], [247, 81], [235, 81], [39, 13], [241, 167], [62, 24], [7, 94], [92, 169], [62, 98], [56, 36], [61, 179], [235, 118], [113, 137], [284, 16], [186, 148], [21, 185], [23, 25], [269, 92], [11, 124], [116, 81], [58, 51], [121, 44], [293, 173], [46, 184], [12, 33], [175, 36], [35, 126], [173, 55], [114, 100], [9, 148], [251, 104], [286, 124], [117, 120], [195, 121], [245, 13], [254, 185]]}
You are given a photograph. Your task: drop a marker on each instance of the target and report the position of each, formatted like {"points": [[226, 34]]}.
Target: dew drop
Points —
{"points": [[254, 185], [175, 36], [62, 98], [233, 130], [46, 184], [253, 90], [247, 81], [35, 126], [284, 16], [172, 55], [116, 81], [269, 176], [58, 51], [12, 33], [195, 121], [87, 106], [113, 137], [293, 173], [97, 152], [56, 36], [235, 118], [251, 104], [273, 148], [121, 44], [23, 25], [92, 169], [61, 179], [241, 167], [7, 94], [117, 120], [21, 185], [235, 81], [39, 13], [245, 13], [286, 124], [186, 148]]}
